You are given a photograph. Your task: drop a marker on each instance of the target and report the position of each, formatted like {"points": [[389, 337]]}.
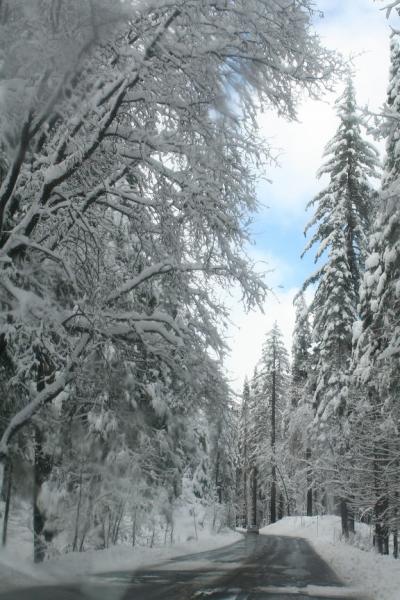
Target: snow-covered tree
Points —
{"points": [[301, 352], [268, 401], [378, 336], [127, 160], [299, 414], [243, 471], [341, 222], [101, 140]]}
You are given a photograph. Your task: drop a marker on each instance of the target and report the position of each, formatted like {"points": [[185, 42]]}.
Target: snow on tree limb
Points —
{"points": [[126, 192], [49, 393]]}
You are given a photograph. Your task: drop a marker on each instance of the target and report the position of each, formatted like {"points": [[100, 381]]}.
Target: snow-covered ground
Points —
{"points": [[17, 569], [378, 577], [359, 566]]}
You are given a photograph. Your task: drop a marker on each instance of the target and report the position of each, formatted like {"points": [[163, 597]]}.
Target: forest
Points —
{"points": [[129, 159]]}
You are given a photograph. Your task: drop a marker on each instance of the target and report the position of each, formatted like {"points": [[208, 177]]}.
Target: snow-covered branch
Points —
{"points": [[48, 394]]}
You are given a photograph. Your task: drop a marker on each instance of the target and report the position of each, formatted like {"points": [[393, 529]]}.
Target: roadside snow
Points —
{"points": [[75, 566], [378, 577], [125, 558], [193, 533]]}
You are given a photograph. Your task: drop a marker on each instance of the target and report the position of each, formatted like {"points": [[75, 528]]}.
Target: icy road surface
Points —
{"points": [[258, 567]]}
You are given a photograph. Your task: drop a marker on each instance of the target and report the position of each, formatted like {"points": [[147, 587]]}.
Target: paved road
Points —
{"points": [[255, 568]]}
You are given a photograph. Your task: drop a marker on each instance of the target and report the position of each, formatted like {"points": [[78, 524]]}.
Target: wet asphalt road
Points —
{"points": [[257, 567]]}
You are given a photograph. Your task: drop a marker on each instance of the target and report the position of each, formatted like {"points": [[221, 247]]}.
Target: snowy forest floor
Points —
{"points": [[17, 568], [355, 562]]}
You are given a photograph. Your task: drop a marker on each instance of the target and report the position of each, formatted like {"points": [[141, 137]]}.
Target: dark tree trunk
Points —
{"points": [[254, 499], [386, 540], [42, 470], [351, 520], [6, 496], [324, 501], [273, 495], [381, 508], [281, 506], [134, 523], [344, 514], [315, 498], [78, 514], [245, 516], [6, 476], [245, 467], [218, 483], [395, 530], [309, 484], [381, 528], [395, 544]]}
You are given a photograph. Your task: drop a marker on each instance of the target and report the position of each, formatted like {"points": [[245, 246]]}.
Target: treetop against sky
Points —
{"points": [[357, 29]]}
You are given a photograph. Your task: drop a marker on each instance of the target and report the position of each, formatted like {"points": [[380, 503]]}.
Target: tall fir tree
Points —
{"points": [[377, 357], [301, 352], [299, 416], [341, 223], [257, 433], [243, 474], [273, 375], [343, 211]]}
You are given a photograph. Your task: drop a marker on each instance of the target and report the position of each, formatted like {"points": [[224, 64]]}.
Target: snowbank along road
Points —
{"points": [[255, 568]]}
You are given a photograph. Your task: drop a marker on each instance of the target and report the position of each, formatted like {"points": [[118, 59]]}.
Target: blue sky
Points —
{"points": [[354, 27]]}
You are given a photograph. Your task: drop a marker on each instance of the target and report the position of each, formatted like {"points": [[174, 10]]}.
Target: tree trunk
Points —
{"points": [[117, 523], [245, 495], [386, 540], [281, 506], [134, 521], [381, 508], [344, 514], [309, 484], [351, 521], [273, 495], [218, 483], [78, 514], [42, 467], [6, 493], [395, 544], [395, 526], [253, 522], [42, 470], [381, 529]]}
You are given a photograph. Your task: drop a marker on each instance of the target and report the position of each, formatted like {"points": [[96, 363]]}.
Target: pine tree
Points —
{"points": [[126, 188], [299, 412], [301, 351], [377, 355], [343, 212], [273, 372], [342, 219], [257, 433], [348, 201], [243, 470]]}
